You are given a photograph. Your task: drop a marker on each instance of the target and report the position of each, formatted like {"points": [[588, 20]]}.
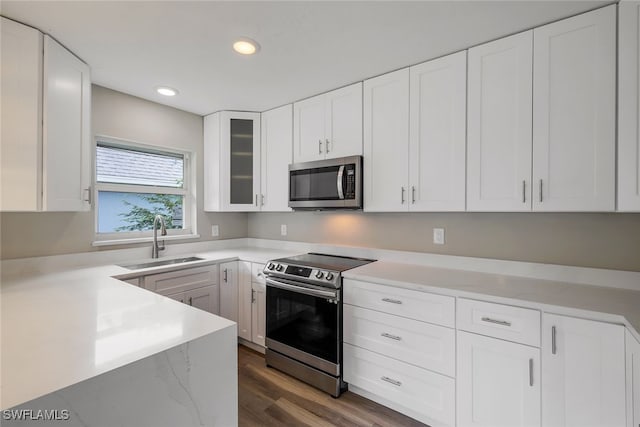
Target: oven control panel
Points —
{"points": [[322, 277]]}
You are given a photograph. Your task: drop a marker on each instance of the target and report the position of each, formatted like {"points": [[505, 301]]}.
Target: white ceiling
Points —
{"points": [[308, 47]]}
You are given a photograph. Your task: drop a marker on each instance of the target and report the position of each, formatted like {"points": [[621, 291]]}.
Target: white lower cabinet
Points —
{"points": [[498, 382], [633, 380], [251, 303], [419, 393], [583, 373], [229, 290], [204, 298]]}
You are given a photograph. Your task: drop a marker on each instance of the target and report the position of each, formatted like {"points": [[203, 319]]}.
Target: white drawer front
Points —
{"points": [[428, 394], [182, 280], [422, 344], [438, 309], [515, 324], [257, 276]]}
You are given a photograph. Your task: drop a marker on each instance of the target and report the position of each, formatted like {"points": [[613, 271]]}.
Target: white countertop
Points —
{"points": [[62, 328], [606, 304]]}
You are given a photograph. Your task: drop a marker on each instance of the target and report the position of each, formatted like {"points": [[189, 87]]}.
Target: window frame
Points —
{"points": [[187, 191]]}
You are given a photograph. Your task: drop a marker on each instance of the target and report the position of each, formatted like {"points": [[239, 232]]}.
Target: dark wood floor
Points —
{"points": [[267, 397]]}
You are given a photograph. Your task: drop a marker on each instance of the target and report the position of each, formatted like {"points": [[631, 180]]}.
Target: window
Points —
{"points": [[134, 183]]}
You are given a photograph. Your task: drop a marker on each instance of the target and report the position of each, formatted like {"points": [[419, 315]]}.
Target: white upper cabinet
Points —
{"points": [[21, 80], [437, 140], [46, 132], [386, 142], [583, 373], [574, 96], [500, 90], [232, 161], [67, 130], [628, 106], [276, 152], [329, 125]]}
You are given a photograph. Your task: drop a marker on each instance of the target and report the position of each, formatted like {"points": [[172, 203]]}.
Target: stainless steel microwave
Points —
{"points": [[326, 184]]}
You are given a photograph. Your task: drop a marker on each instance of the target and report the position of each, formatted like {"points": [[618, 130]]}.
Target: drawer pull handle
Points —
{"points": [[497, 322], [392, 301], [391, 381], [393, 337], [225, 275]]}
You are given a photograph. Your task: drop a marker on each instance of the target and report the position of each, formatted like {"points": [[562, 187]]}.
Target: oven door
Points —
{"points": [[304, 322]]}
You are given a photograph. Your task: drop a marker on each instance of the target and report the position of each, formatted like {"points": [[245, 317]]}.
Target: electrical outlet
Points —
{"points": [[215, 231], [283, 229], [438, 236]]}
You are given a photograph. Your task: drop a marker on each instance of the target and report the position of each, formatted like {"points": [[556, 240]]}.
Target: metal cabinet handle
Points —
{"points": [[402, 195], [262, 200], [256, 200], [319, 146], [390, 336], [524, 189], [391, 381], [497, 322], [540, 191], [190, 300], [392, 301], [413, 194], [88, 198], [326, 145], [225, 275], [253, 296], [531, 372], [554, 349]]}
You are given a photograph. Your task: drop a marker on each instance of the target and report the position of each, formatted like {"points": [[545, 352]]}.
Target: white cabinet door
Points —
{"points": [[628, 107], [500, 91], [437, 141], [206, 298], [66, 141], [498, 382], [212, 163], [244, 300], [276, 151], [583, 373], [574, 110], [386, 142], [21, 109], [229, 290], [633, 380], [309, 129], [258, 313], [240, 166], [343, 126]]}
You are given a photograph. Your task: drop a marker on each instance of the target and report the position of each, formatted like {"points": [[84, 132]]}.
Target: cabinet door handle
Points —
{"points": [[390, 336], [554, 349], [540, 191], [225, 275], [256, 200], [262, 200], [413, 194], [531, 372], [524, 189], [319, 146], [191, 301], [391, 381], [253, 296], [392, 301], [88, 198], [497, 322], [402, 195], [326, 145]]}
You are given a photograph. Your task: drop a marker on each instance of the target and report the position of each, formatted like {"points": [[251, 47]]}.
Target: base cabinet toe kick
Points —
{"points": [[481, 363]]}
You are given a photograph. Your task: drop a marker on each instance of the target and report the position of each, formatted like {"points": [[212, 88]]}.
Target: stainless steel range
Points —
{"points": [[304, 317]]}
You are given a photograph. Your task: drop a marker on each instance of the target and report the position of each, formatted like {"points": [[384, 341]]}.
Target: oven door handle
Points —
{"points": [[301, 289], [339, 182]]}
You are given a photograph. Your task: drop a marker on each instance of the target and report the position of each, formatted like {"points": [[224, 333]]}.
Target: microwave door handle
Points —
{"points": [[339, 182]]}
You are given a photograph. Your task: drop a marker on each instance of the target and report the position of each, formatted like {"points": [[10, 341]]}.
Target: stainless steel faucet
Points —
{"points": [[163, 232]]}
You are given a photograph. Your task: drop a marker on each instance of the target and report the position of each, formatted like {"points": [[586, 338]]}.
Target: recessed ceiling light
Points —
{"points": [[166, 91], [246, 46]]}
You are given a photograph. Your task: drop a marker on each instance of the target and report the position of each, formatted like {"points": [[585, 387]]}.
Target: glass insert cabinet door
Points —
{"points": [[241, 138]]}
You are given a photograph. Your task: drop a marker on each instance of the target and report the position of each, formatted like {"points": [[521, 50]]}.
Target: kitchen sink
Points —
{"points": [[171, 261]]}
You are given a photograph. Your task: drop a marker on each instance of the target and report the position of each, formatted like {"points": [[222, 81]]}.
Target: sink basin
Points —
{"points": [[161, 262]]}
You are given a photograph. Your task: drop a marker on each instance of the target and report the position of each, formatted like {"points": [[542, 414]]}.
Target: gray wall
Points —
{"points": [[123, 116], [586, 240]]}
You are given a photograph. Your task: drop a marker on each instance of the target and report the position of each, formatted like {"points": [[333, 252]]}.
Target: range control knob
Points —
{"points": [[329, 276], [279, 267], [319, 274], [271, 266]]}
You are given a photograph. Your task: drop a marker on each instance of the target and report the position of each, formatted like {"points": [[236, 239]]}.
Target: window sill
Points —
{"points": [[149, 239]]}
